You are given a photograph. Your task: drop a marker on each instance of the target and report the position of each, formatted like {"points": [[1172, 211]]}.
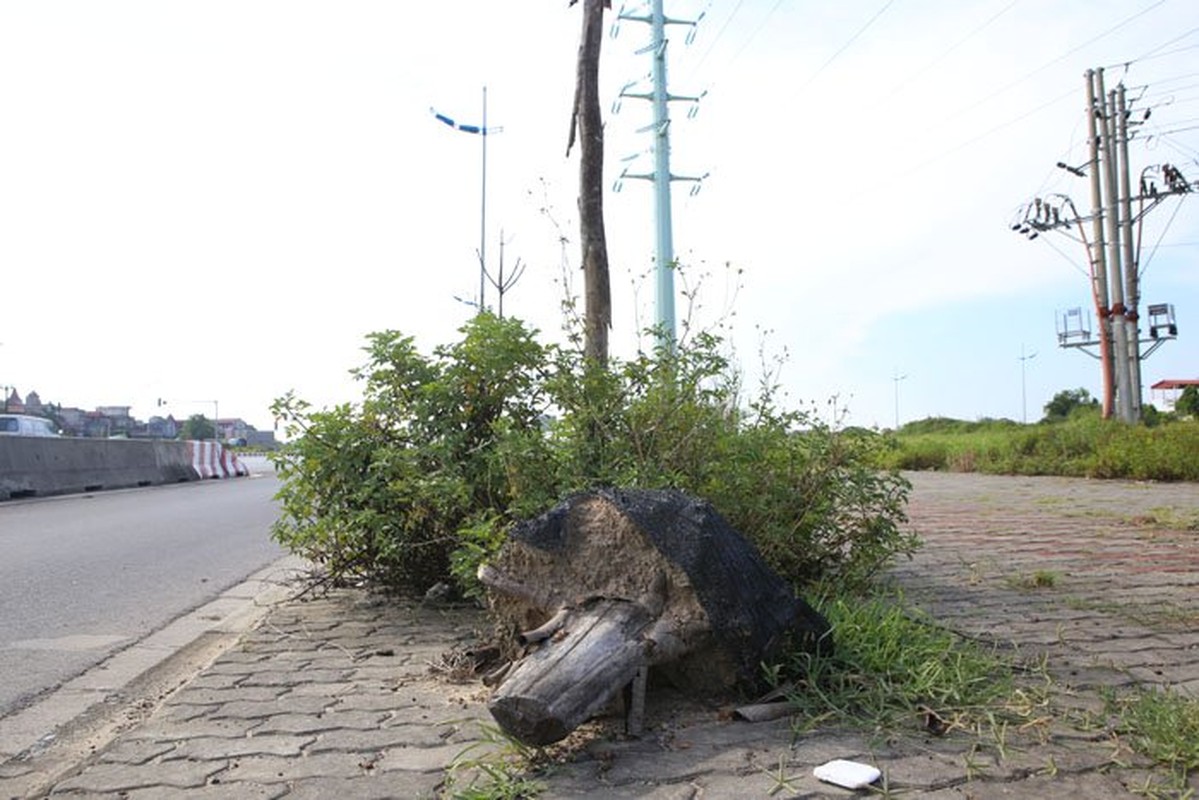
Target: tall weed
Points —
{"points": [[1083, 446]]}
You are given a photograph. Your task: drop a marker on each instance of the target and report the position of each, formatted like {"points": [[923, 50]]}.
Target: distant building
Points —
{"points": [[97, 426], [263, 439], [1171, 388], [241, 432], [119, 421], [108, 421], [159, 428], [73, 421]]}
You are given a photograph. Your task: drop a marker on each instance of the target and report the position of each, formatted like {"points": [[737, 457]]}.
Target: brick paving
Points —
{"points": [[1079, 571], [347, 695]]}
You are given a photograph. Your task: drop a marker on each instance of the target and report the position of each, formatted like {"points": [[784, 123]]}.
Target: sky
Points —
{"points": [[212, 204]]}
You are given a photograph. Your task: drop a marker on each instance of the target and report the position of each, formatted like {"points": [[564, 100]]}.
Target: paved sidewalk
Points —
{"points": [[351, 696], [1100, 576]]}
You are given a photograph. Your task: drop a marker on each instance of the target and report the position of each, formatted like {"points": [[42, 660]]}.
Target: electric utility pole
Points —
{"points": [[1103, 113], [660, 97], [1113, 247]]}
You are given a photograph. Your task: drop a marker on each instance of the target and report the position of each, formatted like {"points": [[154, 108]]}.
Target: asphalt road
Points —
{"points": [[84, 576]]}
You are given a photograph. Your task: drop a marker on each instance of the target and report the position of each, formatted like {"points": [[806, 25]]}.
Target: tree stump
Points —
{"points": [[613, 581]]}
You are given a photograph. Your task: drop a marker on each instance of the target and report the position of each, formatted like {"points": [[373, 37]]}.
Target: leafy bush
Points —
{"points": [[382, 490], [424, 478]]}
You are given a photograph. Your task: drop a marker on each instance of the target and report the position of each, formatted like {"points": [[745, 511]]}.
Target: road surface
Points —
{"points": [[83, 576]]}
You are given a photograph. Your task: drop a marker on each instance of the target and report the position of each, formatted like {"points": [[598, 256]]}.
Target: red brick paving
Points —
{"points": [[1122, 602]]}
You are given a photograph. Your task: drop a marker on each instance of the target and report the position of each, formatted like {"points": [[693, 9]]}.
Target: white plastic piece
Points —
{"points": [[850, 774]]}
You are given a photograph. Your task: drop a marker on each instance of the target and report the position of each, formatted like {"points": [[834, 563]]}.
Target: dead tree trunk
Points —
{"points": [[559, 688], [586, 122], [611, 582]]}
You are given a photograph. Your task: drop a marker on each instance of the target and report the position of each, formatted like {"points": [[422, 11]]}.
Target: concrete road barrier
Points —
{"points": [[37, 466], [211, 460]]}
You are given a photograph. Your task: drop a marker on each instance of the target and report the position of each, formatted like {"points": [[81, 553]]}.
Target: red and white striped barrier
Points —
{"points": [[211, 460]]}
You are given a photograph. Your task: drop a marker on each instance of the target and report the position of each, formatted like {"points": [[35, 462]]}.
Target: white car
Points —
{"points": [[25, 425]]}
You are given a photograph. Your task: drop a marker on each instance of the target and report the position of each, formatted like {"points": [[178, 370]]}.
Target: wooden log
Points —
{"points": [[612, 582], [543, 632], [596, 652]]}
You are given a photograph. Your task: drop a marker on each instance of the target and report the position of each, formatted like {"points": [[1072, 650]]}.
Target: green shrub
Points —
{"points": [[381, 490], [423, 479]]}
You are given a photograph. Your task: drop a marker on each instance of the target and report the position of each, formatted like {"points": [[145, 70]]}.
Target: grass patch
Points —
{"points": [[1171, 518], [1163, 726], [1041, 579], [894, 669], [497, 767]]}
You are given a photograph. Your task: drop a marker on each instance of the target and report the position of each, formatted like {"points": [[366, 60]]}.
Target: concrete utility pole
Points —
{"points": [[1112, 252], [1124, 404], [1131, 279], [1098, 258], [660, 97]]}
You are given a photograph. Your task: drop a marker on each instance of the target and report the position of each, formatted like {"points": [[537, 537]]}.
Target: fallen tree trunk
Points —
{"points": [[612, 582], [558, 688]]}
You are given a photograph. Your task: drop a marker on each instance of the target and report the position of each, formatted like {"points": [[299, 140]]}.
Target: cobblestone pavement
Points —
{"points": [[351, 696]]}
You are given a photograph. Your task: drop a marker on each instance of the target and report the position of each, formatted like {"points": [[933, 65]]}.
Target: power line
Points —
{"points": [[1179, 130], [953, 47], [847, 44], [720, 33], [1184, 150], [758, 30], [1126, 21], [1163, 55], [1151, 53], [1085, 272], [1171, 98], [962, 146], [1107, 32], [1169, 222], [1158, 82]]}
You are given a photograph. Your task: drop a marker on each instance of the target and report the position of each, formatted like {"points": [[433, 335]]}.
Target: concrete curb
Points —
{"points": [[42, 742]]}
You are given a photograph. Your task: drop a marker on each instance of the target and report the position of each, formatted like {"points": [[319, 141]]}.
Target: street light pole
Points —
{"points": [[482, 131], [897, 379], [1023, 393]]}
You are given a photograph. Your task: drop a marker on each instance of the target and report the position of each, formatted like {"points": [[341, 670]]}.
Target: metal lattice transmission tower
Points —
{"points": [[1113, 247], [661, 176]]}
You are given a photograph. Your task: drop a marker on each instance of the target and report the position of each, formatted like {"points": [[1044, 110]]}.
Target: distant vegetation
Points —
{"points": [[1071, 440]]}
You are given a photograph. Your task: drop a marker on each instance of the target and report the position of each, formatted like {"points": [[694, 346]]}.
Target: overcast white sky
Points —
{"points": [[217, 201]]}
